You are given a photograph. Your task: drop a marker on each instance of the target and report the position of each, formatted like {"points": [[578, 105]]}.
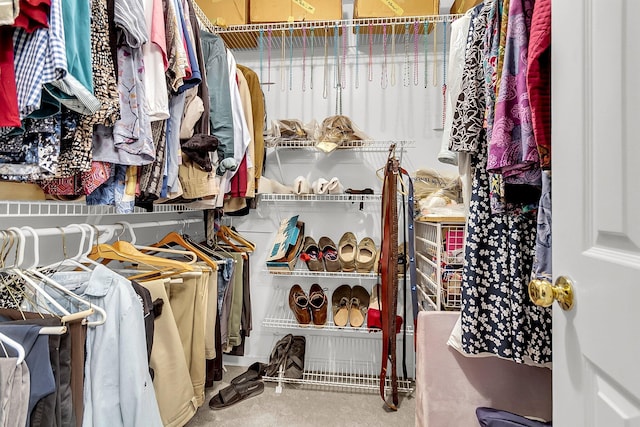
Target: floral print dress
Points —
{"points": [[497, 316]]}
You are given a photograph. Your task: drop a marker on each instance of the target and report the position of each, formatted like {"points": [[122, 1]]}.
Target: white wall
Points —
{"points": [[397, 112]]}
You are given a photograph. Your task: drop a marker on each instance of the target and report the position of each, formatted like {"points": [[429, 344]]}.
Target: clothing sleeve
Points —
{"points": [[220, 112]]}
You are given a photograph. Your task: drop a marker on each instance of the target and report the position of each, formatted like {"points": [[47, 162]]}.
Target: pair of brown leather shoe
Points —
{"points": [[310, 308]]}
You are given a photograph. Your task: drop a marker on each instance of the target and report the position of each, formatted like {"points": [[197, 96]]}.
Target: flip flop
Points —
{"points": [[253, 372], [236, 393]]}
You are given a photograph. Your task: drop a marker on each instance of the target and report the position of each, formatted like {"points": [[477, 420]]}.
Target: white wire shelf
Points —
{"points": [[54, 208], [327, 274], [252, 36], [281, 317], [367, 145], [352, 364], [345, 198]]}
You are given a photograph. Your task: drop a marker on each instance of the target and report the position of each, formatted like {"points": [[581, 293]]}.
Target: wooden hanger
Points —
{"points": [[174, 238], [228, 235]]}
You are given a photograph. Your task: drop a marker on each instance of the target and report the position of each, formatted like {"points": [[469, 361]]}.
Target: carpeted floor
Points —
{"points": [[304, 407]]}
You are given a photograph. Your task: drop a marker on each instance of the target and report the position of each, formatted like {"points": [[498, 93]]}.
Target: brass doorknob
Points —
{"points": [[542, 292]]}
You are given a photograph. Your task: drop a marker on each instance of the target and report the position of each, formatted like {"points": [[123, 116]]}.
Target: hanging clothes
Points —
{"points": [[496, 315], [512, 147]]}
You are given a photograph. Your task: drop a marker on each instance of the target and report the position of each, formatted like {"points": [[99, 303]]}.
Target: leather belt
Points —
{"points": [[389, 277]]}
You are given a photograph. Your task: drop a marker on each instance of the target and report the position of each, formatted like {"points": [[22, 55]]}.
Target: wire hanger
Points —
{"points": [[81, 314]]}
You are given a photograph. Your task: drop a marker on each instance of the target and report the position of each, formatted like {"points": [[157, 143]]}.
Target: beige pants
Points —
{"points": [[187, 301], [172, 383], [211, 308]]}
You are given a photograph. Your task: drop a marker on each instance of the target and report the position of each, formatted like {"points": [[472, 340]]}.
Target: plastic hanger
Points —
{"points": [[81, 314], [15, 269], [73, 261], [15, 345]]}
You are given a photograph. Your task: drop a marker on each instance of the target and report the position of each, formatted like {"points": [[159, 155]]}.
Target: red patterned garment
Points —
{"points": [[539, 79]]}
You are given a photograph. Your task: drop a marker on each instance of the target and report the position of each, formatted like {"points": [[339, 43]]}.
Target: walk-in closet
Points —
{"points": [[317, 212]]}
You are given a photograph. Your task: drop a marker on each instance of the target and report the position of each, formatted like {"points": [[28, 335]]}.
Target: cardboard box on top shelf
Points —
{"points": [[461, 6], [286, 246], [394, 8], [225, 12], [294, 10]]}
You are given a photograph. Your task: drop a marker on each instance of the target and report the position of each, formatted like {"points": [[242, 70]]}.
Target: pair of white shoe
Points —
{"points": [[319, 186]]}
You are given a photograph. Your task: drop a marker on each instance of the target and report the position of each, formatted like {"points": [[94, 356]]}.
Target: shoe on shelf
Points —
{"points": [[318, 305], [311, 254], [299, 304], [271, 186], [334, 186], [359, 304], [301, 186], [340, 304], [329, 254], [374, 313], [347, 249], [366, 255], [319, 186]]}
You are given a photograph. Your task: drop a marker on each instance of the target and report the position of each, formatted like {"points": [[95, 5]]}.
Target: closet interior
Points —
{"points": [[246, 207]]}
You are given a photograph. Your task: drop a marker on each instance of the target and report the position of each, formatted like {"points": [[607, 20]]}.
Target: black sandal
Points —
{"points": [[236, 393], [278, 355], [253, 372]]}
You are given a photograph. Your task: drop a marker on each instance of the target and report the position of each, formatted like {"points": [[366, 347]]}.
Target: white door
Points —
{"points": [[596, 211]]}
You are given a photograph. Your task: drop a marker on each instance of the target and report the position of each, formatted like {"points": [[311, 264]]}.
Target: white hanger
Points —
{"points": [[15, 269], [16, 346], [68, 316]]}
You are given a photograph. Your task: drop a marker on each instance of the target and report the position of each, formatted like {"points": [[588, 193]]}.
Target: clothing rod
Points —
{"points": [[113, 228]]}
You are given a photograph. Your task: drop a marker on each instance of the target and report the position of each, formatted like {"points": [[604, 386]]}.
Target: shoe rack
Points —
{"points": [[439, 258], [337, 356]]}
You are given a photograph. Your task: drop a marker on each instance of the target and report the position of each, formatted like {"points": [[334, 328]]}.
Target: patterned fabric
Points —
{"points": [[79, 184], [39, 58], [113, 193], [490, 59], [539, 79], [504, 20], [78, 159], [34, 154], [75, 89], [176, 51], [468, 116], [130, 141], [512, 147], [151, 175], [497, 315]]}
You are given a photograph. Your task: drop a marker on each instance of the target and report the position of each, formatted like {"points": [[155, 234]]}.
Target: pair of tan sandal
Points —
{"points": [[356, 256], [349, 306]]}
